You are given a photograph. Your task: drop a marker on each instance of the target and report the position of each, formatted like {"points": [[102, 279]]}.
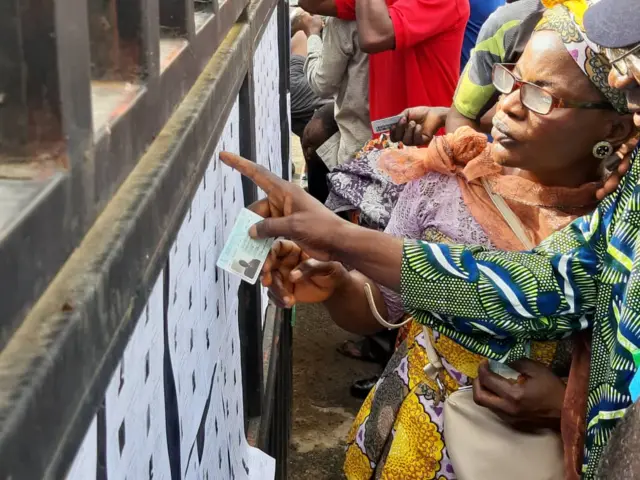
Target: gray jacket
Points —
{"points": [[337, 68]]}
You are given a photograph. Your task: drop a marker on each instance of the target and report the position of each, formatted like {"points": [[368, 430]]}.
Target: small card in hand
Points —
{"points": [[384, 125], [242, 255]]}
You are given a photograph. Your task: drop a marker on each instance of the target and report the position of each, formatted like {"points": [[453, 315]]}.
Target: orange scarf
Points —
{"points": [[467, 155]]}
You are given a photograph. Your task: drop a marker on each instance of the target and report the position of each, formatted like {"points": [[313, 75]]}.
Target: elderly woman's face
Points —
{"points": [[563, 138]]}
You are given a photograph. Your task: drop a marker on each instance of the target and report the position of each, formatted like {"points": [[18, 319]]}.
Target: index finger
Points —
{"points": [[259, 175], [261, 207]]}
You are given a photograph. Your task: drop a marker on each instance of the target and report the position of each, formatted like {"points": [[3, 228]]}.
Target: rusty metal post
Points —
{"points": [[125, 37], [178, 17], [139, 26], [44, 81]]}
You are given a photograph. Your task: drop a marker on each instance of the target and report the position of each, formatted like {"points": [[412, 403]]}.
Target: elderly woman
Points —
{"points": [[554, 126]]}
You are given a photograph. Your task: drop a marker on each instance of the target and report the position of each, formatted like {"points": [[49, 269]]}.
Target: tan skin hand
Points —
{"points": [[533, 401], [290, 212], [419, 125], [292, 277], [312, 24]]}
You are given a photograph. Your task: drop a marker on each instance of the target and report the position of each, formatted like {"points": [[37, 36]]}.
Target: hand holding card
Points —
{"points": [[385, 125], [242, 255]]}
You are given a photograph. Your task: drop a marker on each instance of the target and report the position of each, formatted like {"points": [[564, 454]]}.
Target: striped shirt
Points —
{"points": [[585, 276], [501, 40]]}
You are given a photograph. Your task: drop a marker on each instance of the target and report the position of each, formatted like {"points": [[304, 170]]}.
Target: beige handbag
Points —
{"points": [[481, 445]]}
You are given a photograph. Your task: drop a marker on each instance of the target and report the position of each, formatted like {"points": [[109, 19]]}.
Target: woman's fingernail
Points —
{"points": [[253, 231], [286, 300], [295, 275]]}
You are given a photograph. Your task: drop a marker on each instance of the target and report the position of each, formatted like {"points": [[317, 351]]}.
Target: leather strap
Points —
{"points": [[372, 306]]}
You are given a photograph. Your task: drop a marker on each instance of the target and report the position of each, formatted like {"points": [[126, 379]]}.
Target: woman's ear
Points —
{"points": [[620, 129]]}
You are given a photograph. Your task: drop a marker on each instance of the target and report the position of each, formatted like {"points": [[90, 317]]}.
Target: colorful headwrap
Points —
{"points": [[565, 18]]}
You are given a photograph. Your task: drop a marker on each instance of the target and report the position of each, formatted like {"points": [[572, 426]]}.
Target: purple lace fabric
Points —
{"points": [[358, 184], [433, 203]]}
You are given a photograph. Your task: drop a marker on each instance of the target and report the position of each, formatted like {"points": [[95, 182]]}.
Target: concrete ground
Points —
{"points": [[323, 410]]}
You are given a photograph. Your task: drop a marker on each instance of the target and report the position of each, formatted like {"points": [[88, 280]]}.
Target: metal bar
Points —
{"points": [[177, 16], [124, 39], [271, 381], [284, 50], [64, 207], [43, 62], [55, 368], [45, 130], [251, 318], [139, 29], [57, 365], [259, 10]]}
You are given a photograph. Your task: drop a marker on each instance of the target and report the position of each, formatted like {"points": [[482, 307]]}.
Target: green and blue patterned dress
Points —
{"points": [[584, 276]]}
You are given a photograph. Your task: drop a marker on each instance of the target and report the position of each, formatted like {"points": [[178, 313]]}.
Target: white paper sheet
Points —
{"points": [[267, 99], [136, 439], [204, 343], [222, 451], [85, 463]]}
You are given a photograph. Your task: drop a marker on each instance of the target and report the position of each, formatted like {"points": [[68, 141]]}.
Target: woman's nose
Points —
{"points": [[511, 105]]}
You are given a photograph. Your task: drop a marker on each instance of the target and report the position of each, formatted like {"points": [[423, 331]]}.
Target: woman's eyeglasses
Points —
{"points": [[623, 59], [534, 97]]}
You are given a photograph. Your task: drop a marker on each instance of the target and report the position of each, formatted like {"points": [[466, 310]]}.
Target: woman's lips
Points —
{"points": [[500, 133]]}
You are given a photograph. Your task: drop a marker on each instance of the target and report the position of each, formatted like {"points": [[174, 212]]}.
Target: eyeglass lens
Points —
{"points": [[532, 97]]}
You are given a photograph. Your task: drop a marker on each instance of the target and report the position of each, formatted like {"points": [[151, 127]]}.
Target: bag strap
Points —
{"points": [[432, 356], [372, 306], [511, 218], [435, 367]]}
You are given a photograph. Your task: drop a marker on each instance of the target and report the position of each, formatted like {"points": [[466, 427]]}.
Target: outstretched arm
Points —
{"points": [[539, 294]]}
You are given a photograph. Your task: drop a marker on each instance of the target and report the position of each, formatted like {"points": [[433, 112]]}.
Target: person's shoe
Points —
{"points": [[361, 388]]}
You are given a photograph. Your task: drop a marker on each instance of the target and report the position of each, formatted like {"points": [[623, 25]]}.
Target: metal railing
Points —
{"points": [[109, 113]]}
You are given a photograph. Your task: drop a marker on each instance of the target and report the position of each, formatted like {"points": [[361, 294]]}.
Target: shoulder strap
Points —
{"points": [[511, 218], [372, 305]]}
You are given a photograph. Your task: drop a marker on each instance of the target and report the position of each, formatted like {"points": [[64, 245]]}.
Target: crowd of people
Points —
{"points": [[491, 239]]}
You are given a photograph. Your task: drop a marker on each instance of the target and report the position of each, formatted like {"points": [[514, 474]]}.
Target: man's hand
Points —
{"points": [[624, 154], [419, 124], [534, 401], [292, 277], [289, 211], [312, 24]]}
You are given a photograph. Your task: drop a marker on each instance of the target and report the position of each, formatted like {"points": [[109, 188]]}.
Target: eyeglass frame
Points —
{"points": [[556, 102], [623, 58]]}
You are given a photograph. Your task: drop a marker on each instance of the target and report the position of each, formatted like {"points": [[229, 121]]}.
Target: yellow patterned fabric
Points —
{"points": [[398, 432]]}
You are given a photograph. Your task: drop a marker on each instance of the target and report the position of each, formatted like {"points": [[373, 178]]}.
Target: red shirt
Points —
{"points": [[423, 69]]}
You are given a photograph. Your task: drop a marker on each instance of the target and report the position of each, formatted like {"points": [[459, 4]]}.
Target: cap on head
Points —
{"points": [[613, 23]]}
